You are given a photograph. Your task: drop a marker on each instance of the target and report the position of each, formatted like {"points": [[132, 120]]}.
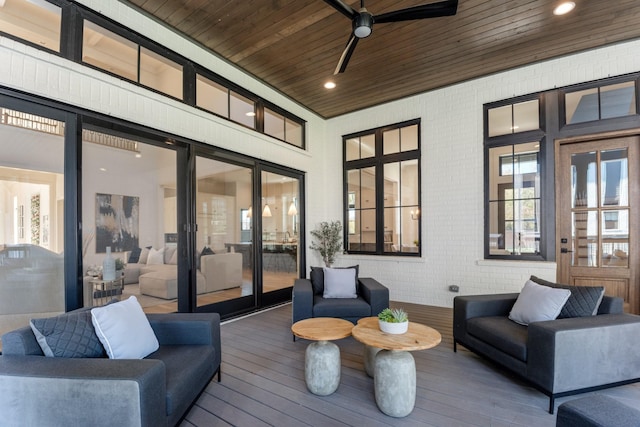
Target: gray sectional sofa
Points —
{"points": [[559, 357], [155, 391]]}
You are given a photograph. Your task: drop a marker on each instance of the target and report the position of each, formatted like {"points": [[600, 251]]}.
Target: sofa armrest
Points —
{"points": [[186, 328], [470, 306], [375, 293], [611, 305], [37, 390], [302, 300], [575, 353]]}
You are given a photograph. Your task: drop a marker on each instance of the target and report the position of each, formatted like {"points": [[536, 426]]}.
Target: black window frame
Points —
{"points": [[71, 34], [378, 161], [545, 241]]}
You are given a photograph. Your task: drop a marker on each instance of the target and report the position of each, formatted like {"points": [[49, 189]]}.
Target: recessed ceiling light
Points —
{"points": [[103, 169], [564, 7], [329, 85]]}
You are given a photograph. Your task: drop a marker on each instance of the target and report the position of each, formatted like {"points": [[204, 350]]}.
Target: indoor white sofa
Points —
{"points": [[217, 272]]}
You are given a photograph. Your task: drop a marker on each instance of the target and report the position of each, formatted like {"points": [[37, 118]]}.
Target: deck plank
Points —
{"points": [[263, 383]]}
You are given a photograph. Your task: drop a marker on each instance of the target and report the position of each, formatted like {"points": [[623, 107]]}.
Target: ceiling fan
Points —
{"points": [[363, 21]]}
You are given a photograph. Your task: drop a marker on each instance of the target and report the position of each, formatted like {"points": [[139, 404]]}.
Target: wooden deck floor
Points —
{"points": [[263, 383]]}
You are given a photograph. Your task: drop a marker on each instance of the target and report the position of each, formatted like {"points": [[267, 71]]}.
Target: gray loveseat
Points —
{"points": [[156, 391], [559, 357]]}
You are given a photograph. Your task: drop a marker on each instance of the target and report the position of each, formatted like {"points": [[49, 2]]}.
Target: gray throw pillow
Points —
{"points": [[584, 300], [317, 278], [68, 335], [339, 283], [537, 303]]}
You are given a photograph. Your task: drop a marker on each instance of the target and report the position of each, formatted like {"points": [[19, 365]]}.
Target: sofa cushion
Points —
{"points": [[339, 283], [538, 303], [317, 278], [501, 333], [124, 330], [584, 300], [185, 380], [168, 253], [68, 335], [156, 256], [340, 307]]}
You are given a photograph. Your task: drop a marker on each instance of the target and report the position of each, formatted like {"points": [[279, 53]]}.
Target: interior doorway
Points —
{"points": [[597, 220]]}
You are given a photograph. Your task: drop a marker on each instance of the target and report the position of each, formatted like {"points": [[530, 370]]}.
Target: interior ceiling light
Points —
{"points": [[362, 24], [329, 85], [564, 7], [250, 114]]}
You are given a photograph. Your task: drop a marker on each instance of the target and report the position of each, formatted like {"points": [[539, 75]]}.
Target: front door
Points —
{"points": [[597, 198]]}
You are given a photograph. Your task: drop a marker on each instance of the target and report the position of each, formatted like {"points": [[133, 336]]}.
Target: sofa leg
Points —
{"points": [[455, 346], [552, 403], [294, 338]]}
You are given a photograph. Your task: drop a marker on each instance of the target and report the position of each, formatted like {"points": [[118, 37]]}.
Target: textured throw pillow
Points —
{"points": [[156, 256], [317, 278], [339, 283], [537, 303], [584, 300], [124, 330], [68, 335], [144, 255], [134, 256], [168, 253], [174, 258]]}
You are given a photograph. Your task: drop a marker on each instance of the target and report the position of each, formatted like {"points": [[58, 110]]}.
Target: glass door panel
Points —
{"points": [[129, 205], [224, 243], [280, 231], [31, 218]]}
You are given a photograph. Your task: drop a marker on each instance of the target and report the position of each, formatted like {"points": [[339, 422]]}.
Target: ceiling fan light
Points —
{"points": [[362, 24]]}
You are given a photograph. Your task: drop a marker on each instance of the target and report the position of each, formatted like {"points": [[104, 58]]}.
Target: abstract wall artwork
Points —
{"points": [[117, 222]]}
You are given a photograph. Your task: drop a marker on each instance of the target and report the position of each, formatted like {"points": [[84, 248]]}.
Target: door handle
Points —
{"points": [[564, 250]]}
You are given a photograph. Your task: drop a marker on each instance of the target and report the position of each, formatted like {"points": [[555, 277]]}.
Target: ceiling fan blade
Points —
{"points": [[343, 8], [346, 55], [432, 10]]}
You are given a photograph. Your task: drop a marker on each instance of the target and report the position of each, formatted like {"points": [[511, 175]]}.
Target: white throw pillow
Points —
{"points": [[124, 330], [339, 283], [537, 303], [156, 256]]}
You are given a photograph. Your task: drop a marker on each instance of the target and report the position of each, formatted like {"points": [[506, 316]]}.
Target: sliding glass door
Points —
{"points": [[32, 215]]}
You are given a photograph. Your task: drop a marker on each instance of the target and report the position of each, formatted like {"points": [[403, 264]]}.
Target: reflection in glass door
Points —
{"points": [[280, 233], [224, 246], [31, 218]]}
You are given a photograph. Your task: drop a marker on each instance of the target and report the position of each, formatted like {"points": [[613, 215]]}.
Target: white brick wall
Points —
{"points": [[451, 140]]}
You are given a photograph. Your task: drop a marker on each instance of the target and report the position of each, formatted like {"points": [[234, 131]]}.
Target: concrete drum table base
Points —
{"points": [[322, 367], [395, 382]]}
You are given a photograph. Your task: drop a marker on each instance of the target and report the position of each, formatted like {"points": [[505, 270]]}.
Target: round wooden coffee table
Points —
{"points": [[322, 358], [394, 368]]}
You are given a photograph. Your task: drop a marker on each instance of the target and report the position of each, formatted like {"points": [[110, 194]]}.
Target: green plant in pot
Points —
{"points": [[119, 264], [393, 321], [328, 241]]}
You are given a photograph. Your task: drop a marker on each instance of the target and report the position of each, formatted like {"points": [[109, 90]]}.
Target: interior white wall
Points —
{"points": [[452, 190]]}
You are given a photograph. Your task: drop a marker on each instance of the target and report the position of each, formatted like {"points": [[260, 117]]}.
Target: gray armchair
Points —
{"points": [[373, 297]]}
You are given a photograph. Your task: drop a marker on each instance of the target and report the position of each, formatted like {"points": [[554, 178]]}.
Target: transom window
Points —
{"points": [[601, 102], [382, 191]]}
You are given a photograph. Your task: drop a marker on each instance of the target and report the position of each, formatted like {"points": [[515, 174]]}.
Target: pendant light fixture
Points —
{"points": [[292, 207], [266, 212]]}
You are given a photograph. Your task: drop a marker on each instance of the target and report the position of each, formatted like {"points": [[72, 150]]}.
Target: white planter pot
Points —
{"points": [[393, 328]]}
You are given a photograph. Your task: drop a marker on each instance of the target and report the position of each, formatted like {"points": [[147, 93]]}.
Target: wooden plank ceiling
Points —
{"points": [[294, 46]]}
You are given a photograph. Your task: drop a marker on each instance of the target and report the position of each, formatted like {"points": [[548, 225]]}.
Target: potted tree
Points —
{"points": [[393, 321], [328, 241]]}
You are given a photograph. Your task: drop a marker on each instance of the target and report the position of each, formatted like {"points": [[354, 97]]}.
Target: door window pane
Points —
{"points": [[615, 238], [32, 218], [280, 230], [584, 187], [109, 51], [585, 238], [223, 238], [35, 21], [212, 96], [614, 177], [160, 73], [129, 204]]}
